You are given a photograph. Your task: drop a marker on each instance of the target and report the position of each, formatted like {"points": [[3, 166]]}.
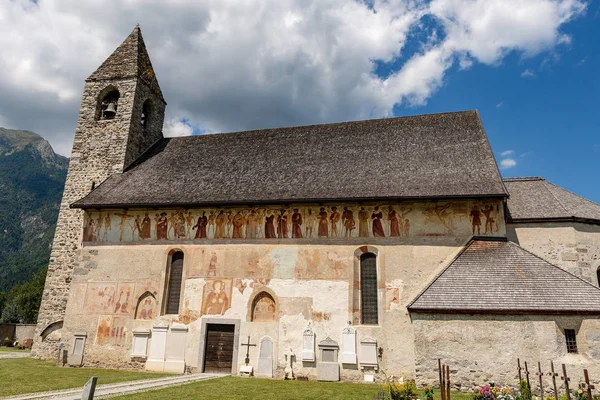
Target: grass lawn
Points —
{"points": [[5, 349], [265, 389], [27, 375]]}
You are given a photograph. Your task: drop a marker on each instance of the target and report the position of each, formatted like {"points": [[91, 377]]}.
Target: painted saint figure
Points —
{"points": [[476, 219], [211, 223], [189, 219], [216, 302], [363, 223], [489, 218], [252, 225], [296, 224], [376, 216], [201, 226], [282, 225], [394, 225], [334, 218], [212, 265], [348, 222], [162, 225], [269, 226], [88, 231], [122, 223], [145, 227], [238, 222], [323, 228], [220, 221], [310, 223]]}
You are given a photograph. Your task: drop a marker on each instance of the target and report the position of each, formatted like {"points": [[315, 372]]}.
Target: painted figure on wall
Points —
{"points": [[104, 328], [211, 223], [394, 225], [476, 219], [189, 220], [146, 227], [216, 301], [489, 218], [323, 228], [348, 222], [334, 218], [311, 220], [88, 231], [296, 224], [162, 224], [406, 227], [100, 297], [252, 225], [228, 224], [212, 265], [363, 223], [107, 225], [264, 308], [122, 304], [180, 228], [269, 226], [123, 223], [282, 224], [238, 222], [376, 216], [220, 222], [201, 226], [146, 307]]}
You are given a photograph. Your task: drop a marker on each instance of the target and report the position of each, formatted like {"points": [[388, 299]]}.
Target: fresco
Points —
{"points": [[324, 222], [263, 309], [111, 330], [216, 298], [109, 298], [146, 307]]}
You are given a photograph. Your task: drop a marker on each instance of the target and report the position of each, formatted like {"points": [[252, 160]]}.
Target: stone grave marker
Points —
{"points": [[308, 345], [349, 345], [265, 358], [368, 354], [76, 358], [175, 354], [328, 368], [89, 388], [158, 348]]}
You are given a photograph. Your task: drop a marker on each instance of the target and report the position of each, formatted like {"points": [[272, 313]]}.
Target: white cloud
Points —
{"points": [[507, 163], [507, 153], [231, 65], [527, 74], [499, 104], [177, 126]]}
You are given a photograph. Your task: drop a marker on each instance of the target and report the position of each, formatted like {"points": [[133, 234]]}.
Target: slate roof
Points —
{"points": [[497, 276], [537, 199], [129, 60], [426, 156]]}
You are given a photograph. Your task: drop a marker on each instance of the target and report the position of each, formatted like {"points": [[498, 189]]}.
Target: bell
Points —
{"points": [[111, 110]]}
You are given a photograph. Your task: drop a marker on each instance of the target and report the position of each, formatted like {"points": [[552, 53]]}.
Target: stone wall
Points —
{"points": [[483, 348], [100, 148], [572, 246]]}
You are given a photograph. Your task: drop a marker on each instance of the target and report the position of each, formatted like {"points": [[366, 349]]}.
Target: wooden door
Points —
{"points": [[218, 355]]}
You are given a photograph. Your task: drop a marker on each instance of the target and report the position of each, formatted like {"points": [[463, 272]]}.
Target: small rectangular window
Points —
{"points": [[571, 339]]}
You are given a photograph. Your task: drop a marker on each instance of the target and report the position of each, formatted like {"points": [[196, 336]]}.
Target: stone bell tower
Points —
{"points": [[121, 116]]}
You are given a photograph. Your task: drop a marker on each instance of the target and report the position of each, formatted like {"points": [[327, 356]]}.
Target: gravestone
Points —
{"points": [[175, 359], [61, 346], [89, 388], [76, 358], [349, 345], [328, 368], [265, 358], [368, 354], [158, 348], [308, 345], [139, 349]]}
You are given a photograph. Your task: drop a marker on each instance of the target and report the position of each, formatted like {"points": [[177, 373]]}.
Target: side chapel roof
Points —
{"points": [[129, 60], [426, 156], [493, 275], [534, 199]]}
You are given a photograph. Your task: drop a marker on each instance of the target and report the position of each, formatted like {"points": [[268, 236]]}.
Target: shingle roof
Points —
{"points": [[426, 156], [129, 60], [538, 199], [497, 276]]}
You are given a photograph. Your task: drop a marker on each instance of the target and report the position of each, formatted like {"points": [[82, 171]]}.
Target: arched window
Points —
{"points": [[174, 283], [263, 308], [108, 103], [598, 276], [146, 111], [368, 289]]}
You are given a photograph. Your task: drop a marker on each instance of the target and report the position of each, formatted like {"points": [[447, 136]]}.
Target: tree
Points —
{"points": [[23, 301]]}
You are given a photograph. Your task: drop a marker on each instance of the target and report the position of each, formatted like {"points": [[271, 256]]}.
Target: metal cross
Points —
{"points": [[587, 384], [553, 375], [540, 374], [566, 379], [248, 345]]}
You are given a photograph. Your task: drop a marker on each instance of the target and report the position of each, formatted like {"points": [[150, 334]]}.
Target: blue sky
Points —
{"points": [[529, 67]]}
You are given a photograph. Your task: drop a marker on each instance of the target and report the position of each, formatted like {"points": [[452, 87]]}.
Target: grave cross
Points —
{"points": [[587, 384], [248, 345], [540, 374], [553, 375], [519, 368], [527, 375], [566, 379]]}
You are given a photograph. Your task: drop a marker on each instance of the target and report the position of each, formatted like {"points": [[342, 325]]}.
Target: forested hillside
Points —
{"points": [[32, 177]]}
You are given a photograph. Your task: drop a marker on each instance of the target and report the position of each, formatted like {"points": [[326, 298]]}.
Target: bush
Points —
{"points": [[402, 390], [525, 390]]}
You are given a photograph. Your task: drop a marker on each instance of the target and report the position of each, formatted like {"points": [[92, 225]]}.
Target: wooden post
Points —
{"points": [[587, 384], [566, 379], [540, 374], [441, 373], [553, 375], [519, 369], [447, 382], [527, 375]]}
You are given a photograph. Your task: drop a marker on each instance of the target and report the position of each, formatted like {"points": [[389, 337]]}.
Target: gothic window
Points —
{"points": [[263, 308], [146, 111], [174, 283], [571, 340], [368, 289], [108, 104]]}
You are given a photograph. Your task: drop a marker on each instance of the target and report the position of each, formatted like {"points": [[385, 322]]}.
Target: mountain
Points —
{"points": [[32, 178]]}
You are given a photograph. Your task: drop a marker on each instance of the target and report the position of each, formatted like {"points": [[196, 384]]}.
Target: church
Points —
{"points": [[341, 251]]}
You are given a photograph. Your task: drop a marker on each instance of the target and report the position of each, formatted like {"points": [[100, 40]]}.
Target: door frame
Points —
{"points": [[236, 340]]}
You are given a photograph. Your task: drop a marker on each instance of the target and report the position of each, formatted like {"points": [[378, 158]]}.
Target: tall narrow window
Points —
{"points": [[598, 276], [146, 110], [368, 289], [571, 339], [174, 285]]}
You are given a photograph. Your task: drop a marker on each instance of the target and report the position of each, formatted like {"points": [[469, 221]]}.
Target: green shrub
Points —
{"points": [[525, 390]]}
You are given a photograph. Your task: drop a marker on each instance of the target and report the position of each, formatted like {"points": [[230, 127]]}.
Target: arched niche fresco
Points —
{"points": [[263, 308], [146, 307]]}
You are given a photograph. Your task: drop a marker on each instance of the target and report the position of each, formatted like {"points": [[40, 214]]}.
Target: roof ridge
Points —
{"points": [[554, 265], [523, 178], [557, 199], [574, 194]]}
